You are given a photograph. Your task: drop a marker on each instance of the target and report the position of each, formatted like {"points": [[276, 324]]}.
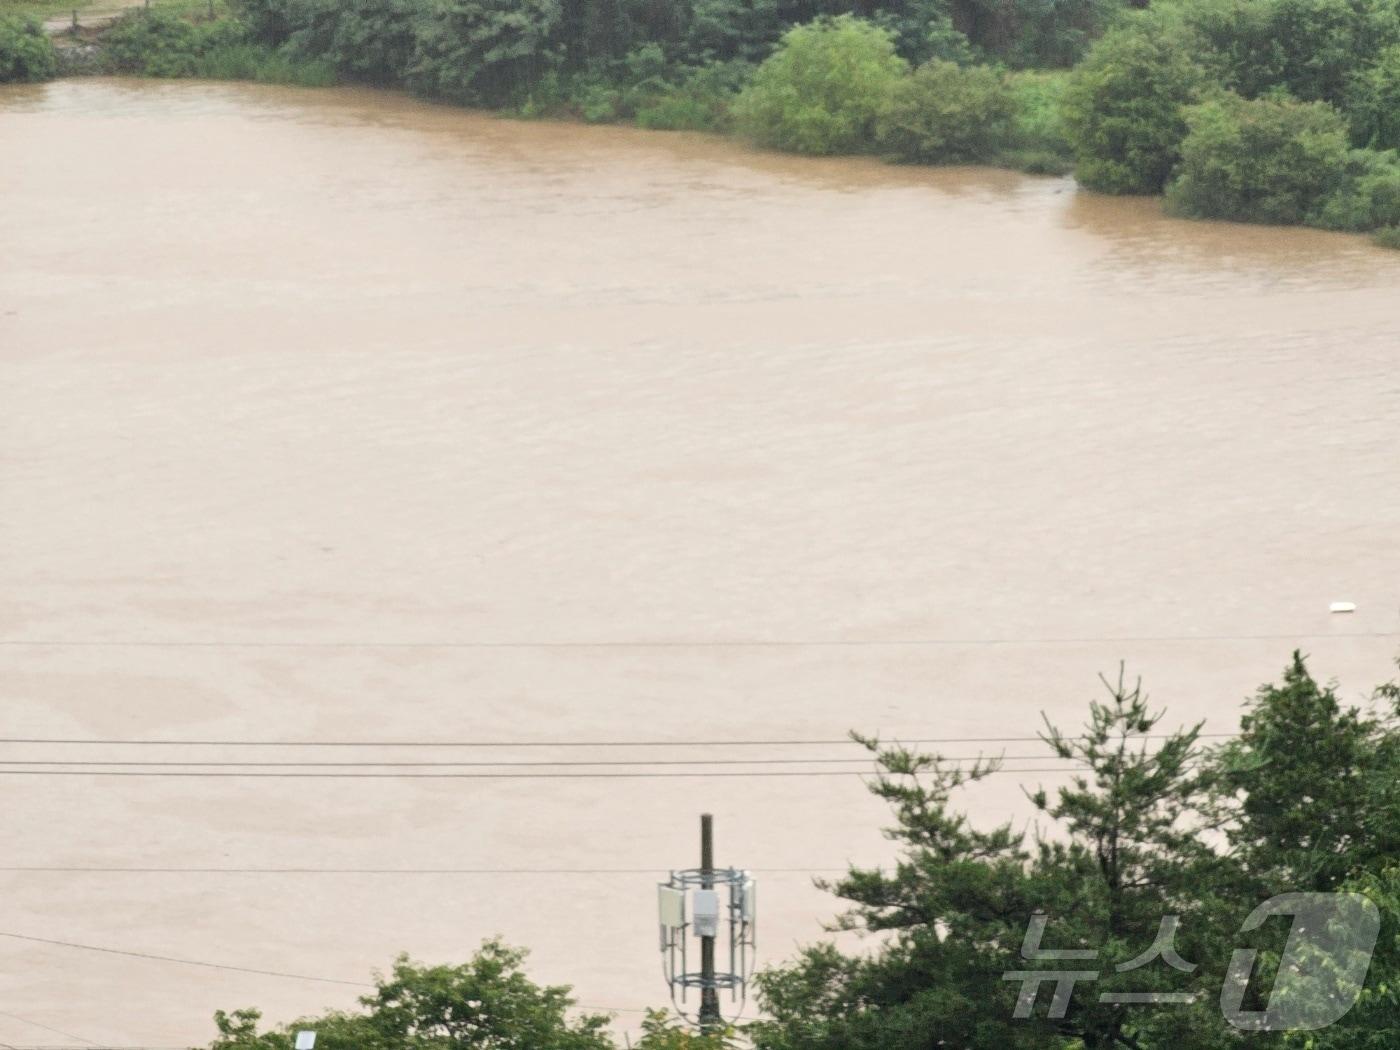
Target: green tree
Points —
{"points": [[1312, 786], [661, 1031], [483, 52], [1374, 1022], [153, 44], [269, 22], [1373, 102], [1307, 796], [700, 102], [823, 89], [1132, 856], [1053, 34], [1124, 106], [1368, 197], [720, 30], [949, 910], [959, 902], [662, 22], [923, 30], [947, 114], [605, 31], [1259, 160], [487, 1003], [26, 52], [369, 40], [1308, 48], [1310, 790]]}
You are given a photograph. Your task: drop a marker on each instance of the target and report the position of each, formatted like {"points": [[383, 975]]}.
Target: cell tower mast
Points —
{"points": [[690, 906], [710, 1019]]}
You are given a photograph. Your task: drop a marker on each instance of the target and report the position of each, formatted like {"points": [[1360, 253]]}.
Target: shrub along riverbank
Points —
{"points": [[1272, 111], [26, 53]]}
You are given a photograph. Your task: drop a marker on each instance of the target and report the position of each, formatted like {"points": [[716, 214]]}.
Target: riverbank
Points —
{"points": [[840, 86]]}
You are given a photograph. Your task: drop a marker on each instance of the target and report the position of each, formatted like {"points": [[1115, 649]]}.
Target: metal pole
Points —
{"points": [[710, 1019]]}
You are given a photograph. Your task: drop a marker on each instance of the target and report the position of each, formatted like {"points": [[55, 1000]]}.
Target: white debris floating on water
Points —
{"points": [[1342, 607]]}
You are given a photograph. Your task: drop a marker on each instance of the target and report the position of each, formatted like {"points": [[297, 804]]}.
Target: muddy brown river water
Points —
{"points": [[333, 416]]}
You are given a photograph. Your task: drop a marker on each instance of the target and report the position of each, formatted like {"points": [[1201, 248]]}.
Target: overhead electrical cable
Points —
{"points": [[47, 1028], [679, 643], [182, 962], [891, 741], [252, 764], [19, 869], [232, 775], [231, 968]]}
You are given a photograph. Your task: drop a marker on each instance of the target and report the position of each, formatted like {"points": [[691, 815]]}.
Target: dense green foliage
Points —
{"points": [[1231, 107], [596, 61], [947, 113], [487, 1002], [1307, 798], [247, 61], [1308, 48], [1038, 141], [840, 86], [1261, 160], [673, 63], [368, 40], [1125, 106], [482, 52], [26, 53], [1388, 237], [700, 100], [1373, 101], [159, 44], [1312, 784], [823, 89], [1242, 103], [153, 44]]}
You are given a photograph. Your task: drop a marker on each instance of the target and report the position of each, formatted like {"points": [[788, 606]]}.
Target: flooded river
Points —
{"points": [[333, 416]]}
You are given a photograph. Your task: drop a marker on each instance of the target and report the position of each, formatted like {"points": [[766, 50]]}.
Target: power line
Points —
{"points": [[891, 741], [47, 1028], [233, 969], [201, 763], [381, 871], [182, 962], [472, 776], [693, 643]]}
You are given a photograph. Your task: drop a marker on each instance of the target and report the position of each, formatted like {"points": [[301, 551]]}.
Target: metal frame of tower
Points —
{"points": [[686, 911]]}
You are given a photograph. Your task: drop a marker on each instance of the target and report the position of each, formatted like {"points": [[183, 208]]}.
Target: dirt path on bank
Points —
{"points": [[97, 15]]}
